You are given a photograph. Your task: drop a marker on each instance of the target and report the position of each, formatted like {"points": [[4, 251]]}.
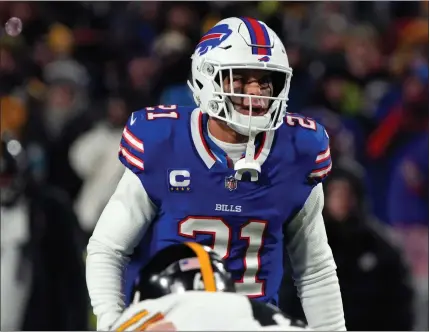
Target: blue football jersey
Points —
{"points": [[198, 198]]}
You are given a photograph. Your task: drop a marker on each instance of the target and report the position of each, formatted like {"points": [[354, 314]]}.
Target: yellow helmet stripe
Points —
{"points": [[205, 266]]}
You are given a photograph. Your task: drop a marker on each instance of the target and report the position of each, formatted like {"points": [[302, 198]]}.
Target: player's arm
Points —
{"points": [[314, 269], [119, 229]]}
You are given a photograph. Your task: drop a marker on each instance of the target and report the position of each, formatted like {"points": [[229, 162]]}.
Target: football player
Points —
{"points": [[229, 174], [187, 288]]}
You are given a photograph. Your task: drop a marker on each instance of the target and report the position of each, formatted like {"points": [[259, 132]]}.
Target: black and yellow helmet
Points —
{"points": [[182, 267]]}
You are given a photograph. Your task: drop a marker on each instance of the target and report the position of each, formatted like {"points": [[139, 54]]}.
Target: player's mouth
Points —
{"points": [[259, 107], [256, 111]]}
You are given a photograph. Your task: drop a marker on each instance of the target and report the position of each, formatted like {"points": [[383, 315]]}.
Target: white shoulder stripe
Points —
{"points": [[132, 140], [323, 156], [132, 159], [322, 172]]}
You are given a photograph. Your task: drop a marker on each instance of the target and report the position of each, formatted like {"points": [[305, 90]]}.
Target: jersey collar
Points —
{"points": [[200, 140]]}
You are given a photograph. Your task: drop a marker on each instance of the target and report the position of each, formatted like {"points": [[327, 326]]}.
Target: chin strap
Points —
{"points": [[248, 164]]}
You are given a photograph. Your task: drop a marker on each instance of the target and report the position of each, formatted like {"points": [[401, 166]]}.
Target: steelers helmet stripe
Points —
{"points": [[205, 266]]}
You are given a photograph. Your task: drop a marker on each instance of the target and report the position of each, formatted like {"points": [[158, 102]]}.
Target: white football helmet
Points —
{"points": [[237, 44], [240, 43]]}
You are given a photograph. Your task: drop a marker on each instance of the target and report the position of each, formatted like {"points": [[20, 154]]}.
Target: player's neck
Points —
{"points": [[224, 133]]}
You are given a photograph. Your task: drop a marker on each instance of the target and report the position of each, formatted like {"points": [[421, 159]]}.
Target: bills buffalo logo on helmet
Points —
{"points": [[264, 59], [213, 38]]}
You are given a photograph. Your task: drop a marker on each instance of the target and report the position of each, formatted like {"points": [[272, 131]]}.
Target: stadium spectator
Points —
{"points": [[42, 272], [93, 156], [375, 281]]}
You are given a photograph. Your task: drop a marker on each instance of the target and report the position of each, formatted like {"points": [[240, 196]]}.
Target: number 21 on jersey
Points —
{"points": [[252, 232]]}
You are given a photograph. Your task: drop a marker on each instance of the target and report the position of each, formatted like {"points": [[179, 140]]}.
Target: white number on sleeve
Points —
{"points": [[152, 115], [307, 123]]}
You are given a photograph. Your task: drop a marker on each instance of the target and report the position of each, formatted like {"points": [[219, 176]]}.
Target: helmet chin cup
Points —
{"points": [[240, 130], [243, 166]]}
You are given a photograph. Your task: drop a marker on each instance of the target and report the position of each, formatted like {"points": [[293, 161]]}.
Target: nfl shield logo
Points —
{"points": [[230, 183]]}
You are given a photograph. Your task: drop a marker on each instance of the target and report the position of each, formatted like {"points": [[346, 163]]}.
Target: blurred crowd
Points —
{"points": [[70, 80]]}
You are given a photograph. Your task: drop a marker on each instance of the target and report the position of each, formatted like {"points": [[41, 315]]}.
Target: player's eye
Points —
{"points": [[237, 84], [265, 81], [237, 79]]}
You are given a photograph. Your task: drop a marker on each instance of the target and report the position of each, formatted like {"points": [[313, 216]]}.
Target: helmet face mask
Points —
{"points": [[212, 67]]}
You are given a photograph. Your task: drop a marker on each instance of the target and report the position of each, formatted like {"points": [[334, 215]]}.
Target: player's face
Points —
{"points": [[252, 82], [340, 199]]}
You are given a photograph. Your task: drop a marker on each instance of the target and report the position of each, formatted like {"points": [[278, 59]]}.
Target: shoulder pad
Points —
{"points": [[138, 317], [313, 142], [145, 130]]}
